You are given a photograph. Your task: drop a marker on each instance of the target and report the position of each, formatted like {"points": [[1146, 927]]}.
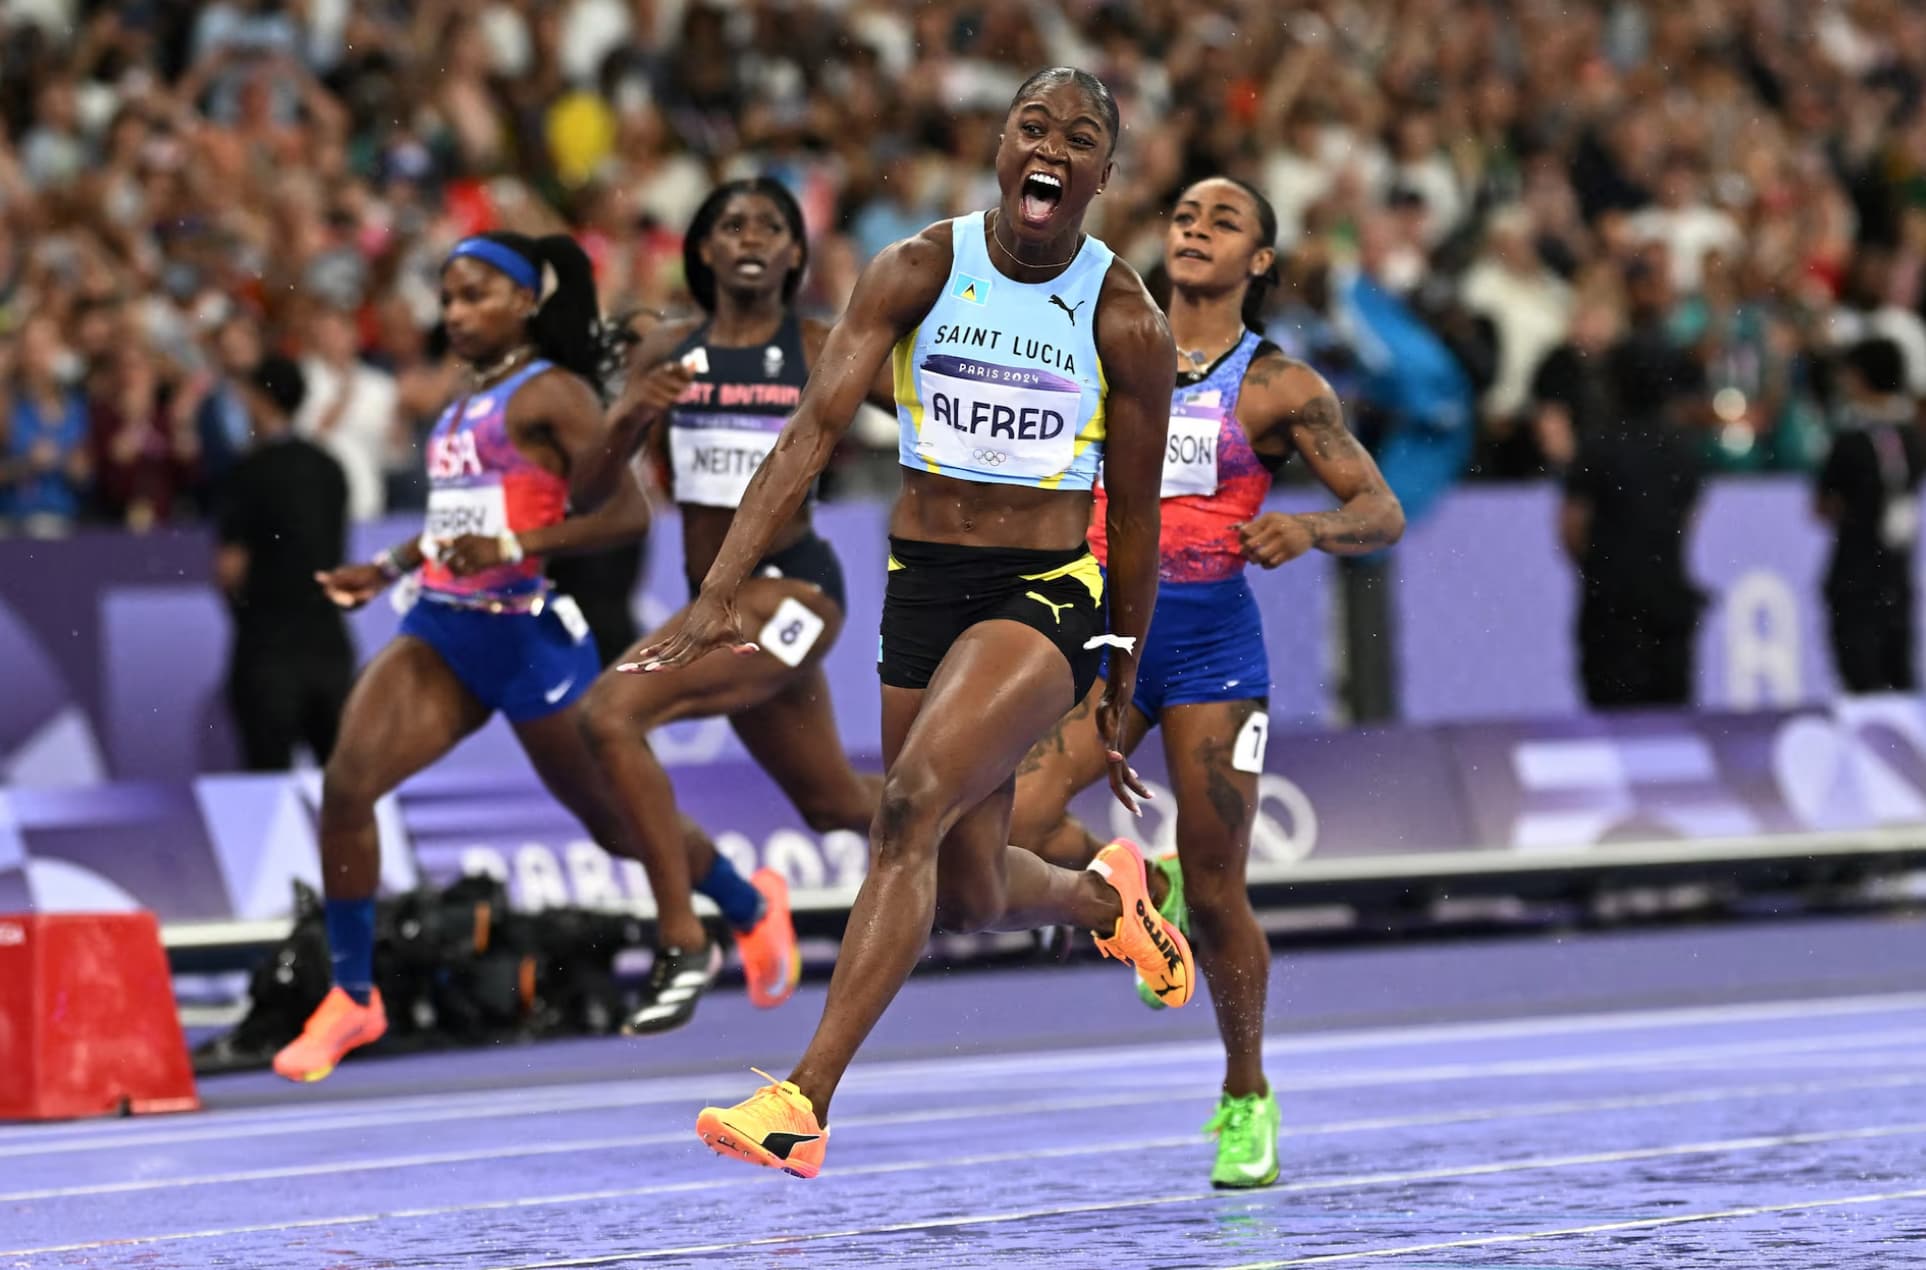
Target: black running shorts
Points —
{"points": [[939, 590], [809, 559]]}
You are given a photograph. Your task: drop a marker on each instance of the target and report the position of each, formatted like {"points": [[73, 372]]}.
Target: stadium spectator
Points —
{"points": [[1629, 499], [283, 518], [218, 395], [1528, 305], [1868, 492], [145, 455], [425, 381], [1687, 224], [349, 407], [1572, 392], [157, 158], [1867, 310], [902, 205], [43, 435]]}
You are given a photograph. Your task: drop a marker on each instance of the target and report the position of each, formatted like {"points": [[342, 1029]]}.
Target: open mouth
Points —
{"points": [[751, 267], [1041, 193], [1191, 253]]}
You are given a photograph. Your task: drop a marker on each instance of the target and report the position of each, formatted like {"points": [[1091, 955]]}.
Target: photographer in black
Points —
{"points": [[283, 517], [1868, 491]]}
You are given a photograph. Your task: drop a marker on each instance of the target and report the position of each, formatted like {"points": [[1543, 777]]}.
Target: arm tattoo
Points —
{"points": [[1321, 418], [1265, 369], [1341, 529], [1370, 517]]}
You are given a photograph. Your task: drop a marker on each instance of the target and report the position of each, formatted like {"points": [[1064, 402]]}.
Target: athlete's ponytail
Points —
{"points": [[567, 326], [1258, 293]]}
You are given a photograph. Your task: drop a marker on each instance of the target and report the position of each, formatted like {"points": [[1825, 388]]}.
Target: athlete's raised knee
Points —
{"points": [[912, 815]]}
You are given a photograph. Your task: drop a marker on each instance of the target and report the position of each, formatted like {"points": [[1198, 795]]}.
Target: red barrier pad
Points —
{"points": [[88, 1025]]}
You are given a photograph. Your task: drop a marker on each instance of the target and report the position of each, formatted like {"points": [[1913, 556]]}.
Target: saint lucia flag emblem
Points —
{"points": [[975, 290]]}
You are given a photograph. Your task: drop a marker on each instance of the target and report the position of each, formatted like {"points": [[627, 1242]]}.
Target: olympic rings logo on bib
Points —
{"points": [[969, 404]]}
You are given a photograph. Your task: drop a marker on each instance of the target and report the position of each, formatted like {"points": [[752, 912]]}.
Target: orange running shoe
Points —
{"points": [[771, 960], [775, 1127], [1145, 938], [336, 1026]]}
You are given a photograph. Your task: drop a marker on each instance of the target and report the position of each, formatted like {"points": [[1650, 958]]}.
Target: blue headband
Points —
{"points": [[520, 270]]}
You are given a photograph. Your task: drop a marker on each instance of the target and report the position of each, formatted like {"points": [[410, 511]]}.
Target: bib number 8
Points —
{"points": [[790, 632]]}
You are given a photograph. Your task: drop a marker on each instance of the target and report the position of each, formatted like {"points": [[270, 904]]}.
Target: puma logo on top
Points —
{"points": [[1068, 310]]}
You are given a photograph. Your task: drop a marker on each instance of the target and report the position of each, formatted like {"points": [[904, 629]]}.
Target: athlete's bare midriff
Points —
{"points": [[936, 508]]}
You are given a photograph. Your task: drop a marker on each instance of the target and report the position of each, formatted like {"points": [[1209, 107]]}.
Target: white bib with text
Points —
{"points": [[1009, 420], [476, 509], [714, 455], [1190, 455]]}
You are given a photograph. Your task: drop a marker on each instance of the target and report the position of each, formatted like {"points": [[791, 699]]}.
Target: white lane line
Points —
{"points": [[695, 1088], [1643, 1223], [1280, 1046], [604, 1093], [1353, 1182], [216, 1127], [1867, 1058], [1373, 1124], [578, 1145]]}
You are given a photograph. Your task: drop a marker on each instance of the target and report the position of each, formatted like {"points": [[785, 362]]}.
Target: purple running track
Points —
{"points": [[1749, 1096]]}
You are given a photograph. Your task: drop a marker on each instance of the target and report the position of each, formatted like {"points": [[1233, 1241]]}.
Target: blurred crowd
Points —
{"points": [[1481, 201]]}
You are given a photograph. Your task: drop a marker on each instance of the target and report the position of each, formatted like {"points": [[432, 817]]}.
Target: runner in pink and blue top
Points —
{"points": [[509, 461], [1239, 409], [482, 484]]}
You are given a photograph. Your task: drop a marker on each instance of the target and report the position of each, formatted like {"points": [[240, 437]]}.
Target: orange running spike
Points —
{"points": [[337, 1026], [774, 1127], [771, 959], [1144, 938]]}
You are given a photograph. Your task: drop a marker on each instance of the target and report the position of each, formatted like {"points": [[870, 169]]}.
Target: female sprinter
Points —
{"points": [[1024, 355], [1240, 408], [733, 376], [506, 460]]}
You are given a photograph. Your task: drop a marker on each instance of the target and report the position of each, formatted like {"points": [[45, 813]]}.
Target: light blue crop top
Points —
{"points": [[1001, 383]]}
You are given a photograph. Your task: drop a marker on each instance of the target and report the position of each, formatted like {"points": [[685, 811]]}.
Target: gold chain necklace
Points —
{"points": [[1013, 256], [485, 374]]}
